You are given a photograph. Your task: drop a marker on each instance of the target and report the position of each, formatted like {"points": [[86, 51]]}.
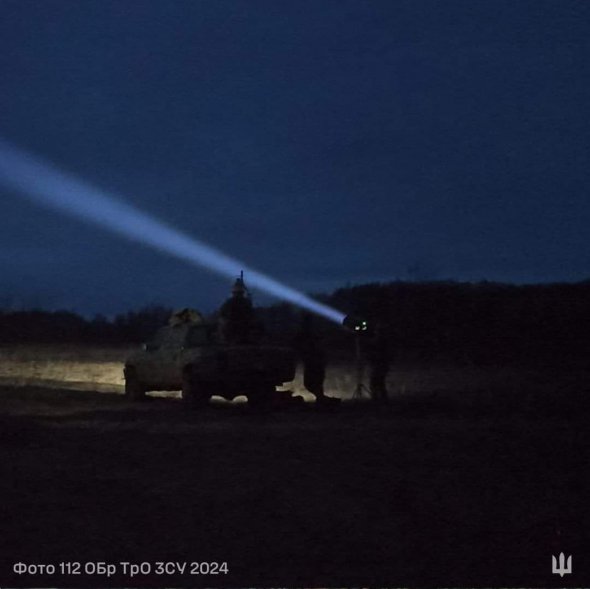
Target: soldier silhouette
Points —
{"points": [[378, 354], [237, 318], [309, 350]]}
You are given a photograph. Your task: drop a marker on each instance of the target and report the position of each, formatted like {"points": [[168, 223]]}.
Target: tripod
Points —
{"points": [[360, 387]]}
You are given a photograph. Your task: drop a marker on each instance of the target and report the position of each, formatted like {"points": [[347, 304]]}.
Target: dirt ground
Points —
{"points": [[420, 492]]}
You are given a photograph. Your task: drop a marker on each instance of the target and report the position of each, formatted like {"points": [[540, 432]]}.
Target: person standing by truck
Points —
{"points": [[310, 352], [236, 316], [378, 355]]}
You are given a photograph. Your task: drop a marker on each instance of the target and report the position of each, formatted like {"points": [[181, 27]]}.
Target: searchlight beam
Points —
{"points": [[43, 184]]}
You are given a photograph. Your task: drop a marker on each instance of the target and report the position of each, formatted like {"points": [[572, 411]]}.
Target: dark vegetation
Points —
{"points": [[38, 326], [474, 324], [482, 324]]}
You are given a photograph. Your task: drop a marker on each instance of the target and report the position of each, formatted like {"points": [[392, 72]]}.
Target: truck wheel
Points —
{"points": [[260, 397], [134, 390], [192, 394]]}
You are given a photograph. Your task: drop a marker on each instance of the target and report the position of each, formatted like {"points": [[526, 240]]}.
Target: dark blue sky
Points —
{"points": [[323, 142]]}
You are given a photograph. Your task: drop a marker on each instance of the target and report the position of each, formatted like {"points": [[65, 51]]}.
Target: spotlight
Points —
{"points": [[355, 324]]}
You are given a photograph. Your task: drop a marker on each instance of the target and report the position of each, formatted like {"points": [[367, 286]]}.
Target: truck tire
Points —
{"points": [[193, 395], [134, 390], [260, 396]]}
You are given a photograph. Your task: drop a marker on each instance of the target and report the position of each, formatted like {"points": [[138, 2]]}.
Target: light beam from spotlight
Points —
{"points": [[42, 183]]}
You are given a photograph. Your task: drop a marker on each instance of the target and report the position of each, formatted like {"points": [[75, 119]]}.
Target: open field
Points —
{"points": [[101, 369], [74, 366], [423, 491]]}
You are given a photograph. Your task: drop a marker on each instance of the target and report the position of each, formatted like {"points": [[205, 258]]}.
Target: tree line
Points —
{"points": [[479, 323], [46, 327], [468, 323]]}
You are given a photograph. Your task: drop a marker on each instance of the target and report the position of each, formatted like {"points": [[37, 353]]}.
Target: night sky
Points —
{"points": [[324, 142]]}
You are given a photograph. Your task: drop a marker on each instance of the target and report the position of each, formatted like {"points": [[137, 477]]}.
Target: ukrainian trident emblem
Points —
{"points": [[565, 566]]}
